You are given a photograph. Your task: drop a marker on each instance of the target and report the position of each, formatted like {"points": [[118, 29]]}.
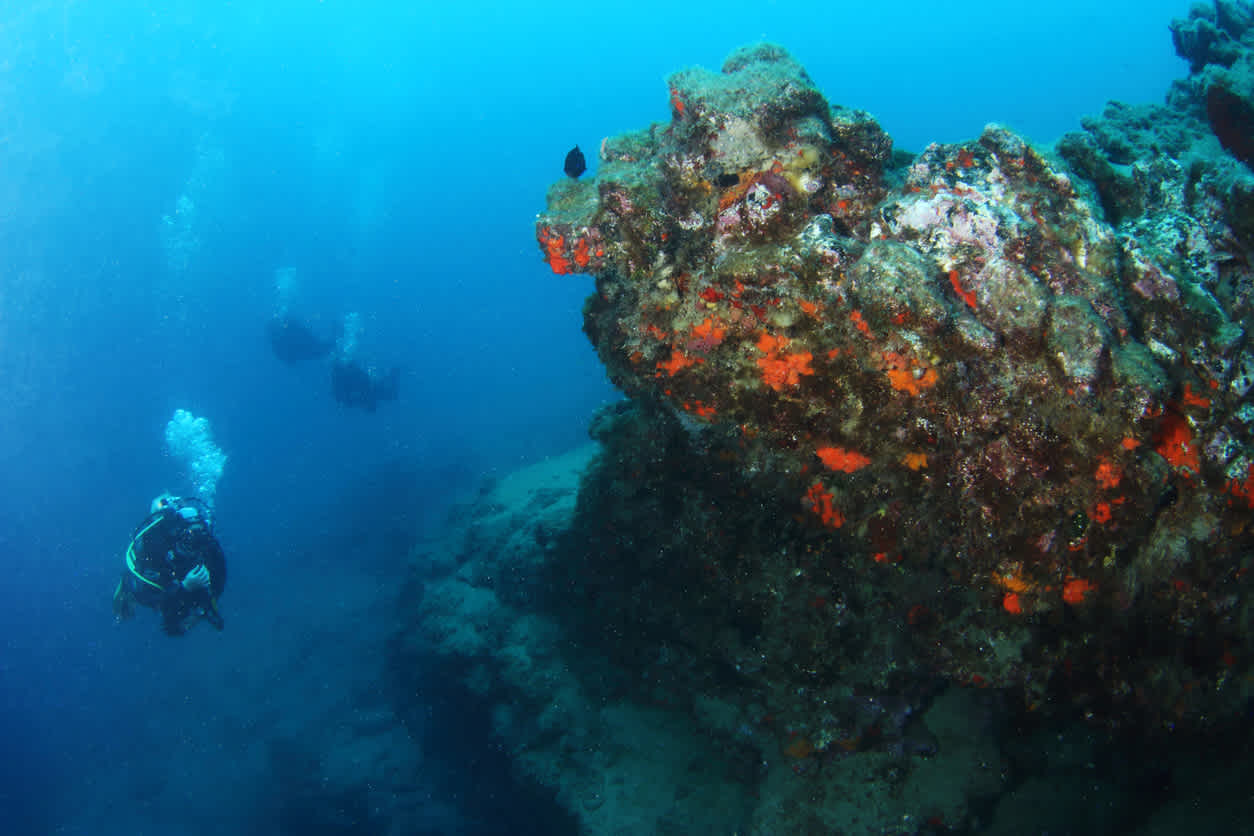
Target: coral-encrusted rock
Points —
{"points": [[1230, 108], [1214, 35], [1024, 385], [1217, 44]]}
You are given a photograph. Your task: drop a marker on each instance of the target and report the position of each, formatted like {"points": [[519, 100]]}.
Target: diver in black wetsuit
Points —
{"points": [[353, 384], [174, 565], [294, 342]]}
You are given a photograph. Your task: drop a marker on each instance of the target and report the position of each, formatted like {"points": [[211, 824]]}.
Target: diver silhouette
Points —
{"points": [[295, 342], [353, 384]]}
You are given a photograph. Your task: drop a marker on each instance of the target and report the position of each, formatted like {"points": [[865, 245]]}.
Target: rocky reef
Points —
{"points": [[924, 457], [982, 413]]}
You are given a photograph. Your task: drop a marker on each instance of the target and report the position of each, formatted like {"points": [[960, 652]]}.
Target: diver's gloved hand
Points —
{"points": [[196, 579]]}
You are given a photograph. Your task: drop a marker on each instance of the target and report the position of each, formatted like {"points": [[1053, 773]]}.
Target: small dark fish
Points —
{"points": [[575, 163]]}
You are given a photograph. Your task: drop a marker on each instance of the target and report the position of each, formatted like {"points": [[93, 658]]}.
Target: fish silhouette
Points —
{"points": [[575, 163]]}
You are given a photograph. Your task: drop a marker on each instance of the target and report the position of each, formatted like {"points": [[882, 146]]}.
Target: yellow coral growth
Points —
{"points": [[915, 461]]}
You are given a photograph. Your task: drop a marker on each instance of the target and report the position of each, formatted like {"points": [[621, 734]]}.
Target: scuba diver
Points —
{"points": [[294, 342], [174, 565], [353, 384]]}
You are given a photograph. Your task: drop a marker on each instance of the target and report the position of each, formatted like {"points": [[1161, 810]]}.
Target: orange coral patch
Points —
{"points": [[780, 370], [709, 332], [1244, 490], [903, 380], [700, 408], [964, 294], [820, 502], [735, 193], [904, 376], [677, 102], [678, 361], [1190, 398], [811, 308], [1108, 474], [1174, 442], [581, 252], [1010, 603], [915, 461], [838, 458], [1013, 583], [783, 370], [555, 250], [1074, 590], [1100, 513], [860, 323], [769, 343]]}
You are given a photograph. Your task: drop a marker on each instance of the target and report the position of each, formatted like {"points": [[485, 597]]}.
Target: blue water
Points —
{"points": [[393, 155]]}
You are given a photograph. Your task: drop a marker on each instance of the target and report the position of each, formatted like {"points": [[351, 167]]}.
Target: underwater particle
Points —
{"points": [[575, 163]]}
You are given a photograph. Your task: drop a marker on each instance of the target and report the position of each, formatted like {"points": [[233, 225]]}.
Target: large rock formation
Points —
{"points": [[981, 413], [918, 449]]}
